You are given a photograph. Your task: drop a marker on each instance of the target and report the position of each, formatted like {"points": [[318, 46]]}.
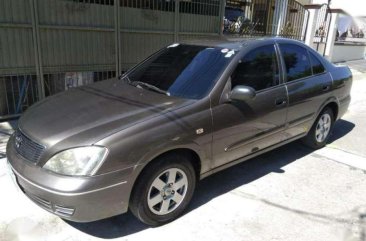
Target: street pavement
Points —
{"points": [[292, 193], [358, 66]]}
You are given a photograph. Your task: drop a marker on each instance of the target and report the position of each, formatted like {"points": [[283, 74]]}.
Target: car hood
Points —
{"points": [[84, 115]]}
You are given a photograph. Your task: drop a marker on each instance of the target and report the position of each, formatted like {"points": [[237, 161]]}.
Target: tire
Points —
{"points": [[155, 202], [321, 130]]}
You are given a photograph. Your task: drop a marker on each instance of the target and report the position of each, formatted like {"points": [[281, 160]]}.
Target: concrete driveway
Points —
{"points": [[292, 193]]}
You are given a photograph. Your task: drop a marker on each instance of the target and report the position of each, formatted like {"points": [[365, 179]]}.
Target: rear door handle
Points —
{"points": [[281, 101], [326, 87]]}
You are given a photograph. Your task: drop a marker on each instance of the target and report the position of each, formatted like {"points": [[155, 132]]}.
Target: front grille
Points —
{"points": [[27, 148]]}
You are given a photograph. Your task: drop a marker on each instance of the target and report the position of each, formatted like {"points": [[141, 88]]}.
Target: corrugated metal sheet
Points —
{"points": [[47, 46]]}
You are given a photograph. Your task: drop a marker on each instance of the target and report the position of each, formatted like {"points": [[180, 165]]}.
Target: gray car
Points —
{"points": [[142, 141]]}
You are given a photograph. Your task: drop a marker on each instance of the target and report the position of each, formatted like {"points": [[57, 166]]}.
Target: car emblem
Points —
{"points": [[18, 141]]}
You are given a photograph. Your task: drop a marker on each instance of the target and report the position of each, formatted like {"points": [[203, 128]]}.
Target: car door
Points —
{"points": [[308, 85], [244, 127]]}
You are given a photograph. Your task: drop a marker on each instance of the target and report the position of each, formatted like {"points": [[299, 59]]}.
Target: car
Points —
{"points": [[235, 21], [232, 14], [141, 142]]}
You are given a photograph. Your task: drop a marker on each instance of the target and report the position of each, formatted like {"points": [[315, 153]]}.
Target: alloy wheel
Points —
{"points": [[167, 191], [323, 127]]}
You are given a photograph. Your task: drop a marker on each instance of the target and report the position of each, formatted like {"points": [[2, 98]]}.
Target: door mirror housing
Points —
{"points": [[242, 93]]}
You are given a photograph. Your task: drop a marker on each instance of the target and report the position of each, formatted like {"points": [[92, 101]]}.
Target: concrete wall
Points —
{"points": [[345, 52]]}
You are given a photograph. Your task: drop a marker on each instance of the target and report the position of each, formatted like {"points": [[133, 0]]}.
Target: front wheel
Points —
{"points": [[164, 190], [321, 130]]}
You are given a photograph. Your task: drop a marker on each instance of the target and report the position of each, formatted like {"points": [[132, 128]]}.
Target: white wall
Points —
{"points": [[345, 52], [353, 7]]}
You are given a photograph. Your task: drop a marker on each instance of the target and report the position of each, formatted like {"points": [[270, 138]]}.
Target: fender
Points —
{"points": [[331, 99]]}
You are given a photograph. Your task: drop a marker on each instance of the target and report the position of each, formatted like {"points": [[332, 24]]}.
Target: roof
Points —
{"points": [[232, 43]]}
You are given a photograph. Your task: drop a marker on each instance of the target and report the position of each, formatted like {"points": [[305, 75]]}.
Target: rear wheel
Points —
{"points": [[164, 190], [321, 129]]}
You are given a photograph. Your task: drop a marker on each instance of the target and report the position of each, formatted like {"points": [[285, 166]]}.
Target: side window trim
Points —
{"points": [[297, 80], [281, 64], [270, 88]]}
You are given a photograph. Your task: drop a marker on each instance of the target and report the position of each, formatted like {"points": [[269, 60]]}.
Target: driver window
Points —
{"points": [[258, 69]]}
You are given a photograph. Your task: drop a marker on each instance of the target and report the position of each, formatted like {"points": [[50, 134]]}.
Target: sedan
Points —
{"points": [[142, 141]]}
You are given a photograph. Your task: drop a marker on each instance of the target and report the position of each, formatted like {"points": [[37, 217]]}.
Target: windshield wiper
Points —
{"points": [[126, 78], [149, 86]]}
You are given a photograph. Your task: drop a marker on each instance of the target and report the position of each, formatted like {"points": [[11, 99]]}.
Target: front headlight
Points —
{"points": [[81, 161]]}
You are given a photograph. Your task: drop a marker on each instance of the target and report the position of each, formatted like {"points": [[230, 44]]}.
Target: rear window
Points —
{"points": [[296, 60], [317, 66]]}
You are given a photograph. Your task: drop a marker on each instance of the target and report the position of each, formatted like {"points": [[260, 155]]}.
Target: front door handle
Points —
{"points": [[281, 101]]}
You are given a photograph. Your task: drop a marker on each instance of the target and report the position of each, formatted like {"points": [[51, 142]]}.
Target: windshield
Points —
{"points": [[185, 71]]}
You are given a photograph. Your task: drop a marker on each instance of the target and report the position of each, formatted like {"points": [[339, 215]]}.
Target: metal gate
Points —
{"points": [[286, 18], [296, 23], [322, 28], [48, 46]]}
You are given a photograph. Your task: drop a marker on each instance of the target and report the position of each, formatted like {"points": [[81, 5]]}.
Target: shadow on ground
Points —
{"points": [[216, 185], [341, 128]]}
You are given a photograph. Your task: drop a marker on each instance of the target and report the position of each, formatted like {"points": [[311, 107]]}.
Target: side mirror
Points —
{"points": [[242, 93]]}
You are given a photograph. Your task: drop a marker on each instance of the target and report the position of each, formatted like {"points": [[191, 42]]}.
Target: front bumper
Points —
{"points": [[80, 199]]}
